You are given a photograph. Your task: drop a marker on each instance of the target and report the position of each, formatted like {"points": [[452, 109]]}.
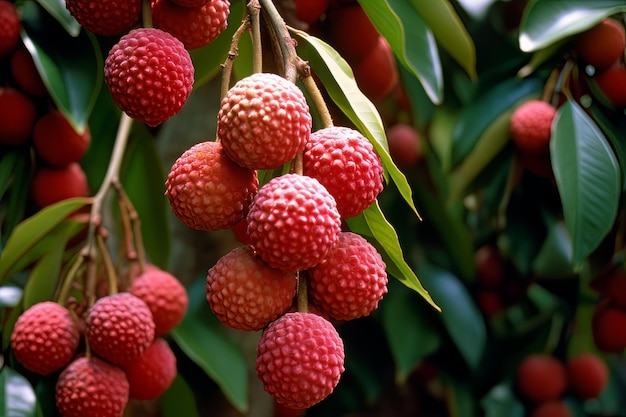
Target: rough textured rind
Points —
{"points": [[149, 74], [530, 126], [245, 293], [45, 338], [207, 190], [264, 121], [106, 17], [293, 222], [300, 359], [153, 372], [345, 162]]}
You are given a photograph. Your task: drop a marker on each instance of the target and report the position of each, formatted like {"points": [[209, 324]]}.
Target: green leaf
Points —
{"points": [[199, 335], [338, 80], [449, 32], [17, 397], [178, 400], [57, 9], [548, 21], [411, 40], [17, 193], [588, 178]]}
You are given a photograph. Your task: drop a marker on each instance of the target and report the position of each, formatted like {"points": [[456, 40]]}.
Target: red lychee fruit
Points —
{"points": [[608, 326], [490, 266], [51, 185], [264, 121], [351, 31], [344, 162], [150, 375], [531, 125], [58, 142], [300, 359], [149, 74], [376, 73], [280, 410], [25, 73], [164, 295], [194, 26], [245, 293], [119, 328], [615, 288], [17, 116], [207, 190], [541, 377], [588, 375], [602, 45], [10, 27], [404, 145], [191, 3], [90, 386], [309, 11], [106, 17], [557, 408], [45, 338], [240, 232], [293, 222], [350, 281], [612, 85]]}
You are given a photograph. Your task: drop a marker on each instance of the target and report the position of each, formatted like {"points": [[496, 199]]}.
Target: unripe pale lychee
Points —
{"points": [[344, 162], [17, 116], [106, 17], [245, 293], [150, 375], [57, 142], [588, 375], [207, 190], [350, 281], [90, 386], [293, 222], [602, 45], [531, 125], [300, 359], [119, 328], [164, 295], [541, 377], [264, 121], [51, 185], [10, 27], [194, 26], [149, 74], [45, 338]]}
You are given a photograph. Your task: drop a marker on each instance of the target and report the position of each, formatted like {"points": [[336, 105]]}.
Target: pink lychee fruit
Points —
{"points": [[106, 17], [150, 375], [531, 125]]}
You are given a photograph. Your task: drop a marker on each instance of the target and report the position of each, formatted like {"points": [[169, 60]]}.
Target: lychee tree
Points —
{"points": [[201, 212]]}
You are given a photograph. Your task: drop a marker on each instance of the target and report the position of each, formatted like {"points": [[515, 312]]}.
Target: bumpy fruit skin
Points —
{"points": [[377, 73], [153, 372], [588, 375], [541, 377], [602, 45], [350, 281], [608, 327], [45, 338], [10, 27], [119, 328], [57, 142], [293, 222], [91, 387], [164, 295], [149, 74], [300, 359], [264, 121], [207, 190], [344, 162], [106, 17], [530, 126], [194, 26], [190, 3], [25, 73], [404, 145], [556, 408], [245, 293], [51, 185], [17, 116], [350, 31]]}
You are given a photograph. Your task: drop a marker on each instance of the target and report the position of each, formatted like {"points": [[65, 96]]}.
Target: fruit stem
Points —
{"points": [[233, 52], [280, 35], [69, 279], [146, 14], [108, 265], [304, 70], [254, 11], [302, 297]]}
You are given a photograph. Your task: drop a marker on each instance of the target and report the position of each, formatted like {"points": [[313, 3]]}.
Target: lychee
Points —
{"points": [[556, 408], [191, 3], [293, 222], [541, 377], [165, 296], [149, 74], [351, 31], [490, 266], [245, 293], [615, 288], [58, 142], [264, 121], [119, 328], [17, 116], [350, 281], [45, 338], [300, 359], [611, 84], [602, 45], [588, 375], [106, 17], [530, 126], [344, 162], [404, 145], [150, 375], [608, 327], [376, 73], [10, 27], [25, 73], [51, 185], [207, 190], [90, 386], [310, 11]]}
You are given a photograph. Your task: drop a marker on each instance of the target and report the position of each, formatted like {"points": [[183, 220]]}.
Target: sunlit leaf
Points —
{"points": [[10, 295], [17, 397]]}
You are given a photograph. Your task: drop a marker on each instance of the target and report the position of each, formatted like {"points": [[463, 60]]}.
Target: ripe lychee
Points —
{"points": [[490, 266], [351, 31], [588, 375], [194, 26], [90, 386], [149, 74], [17, 116], [309, 11], [293, 222], [207, 190], [541, 377], [300, 359], [245, 293], [602, 45], [404, 145], [350, 281], [191, 3], [119, 328], [615, 288], [106, 17], [51, 185], [264, 121], [376, 73], [344, 162], [556, 408], [10, 27], [611, 84], [45, 338], [57, 142], [608, 327], [531, 125], [25, 73], [150, 375], [165, 296]]}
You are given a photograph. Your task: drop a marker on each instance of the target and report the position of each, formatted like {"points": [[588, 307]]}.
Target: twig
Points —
{"points": [[254, 11]]}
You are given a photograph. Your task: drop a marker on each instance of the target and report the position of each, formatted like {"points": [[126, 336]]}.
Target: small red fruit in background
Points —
{"points": [[602, 45], [57, 142], [490, 266], [51, 185], [541, 377], [608, 327], [350, 31], [489, 301], [376, 73], [404, 145], [551, 409], [531, 125], [17, 116], [10, 27], [588, 375], [611, 84], [615, 288], [25, 73], [310, 11]]}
